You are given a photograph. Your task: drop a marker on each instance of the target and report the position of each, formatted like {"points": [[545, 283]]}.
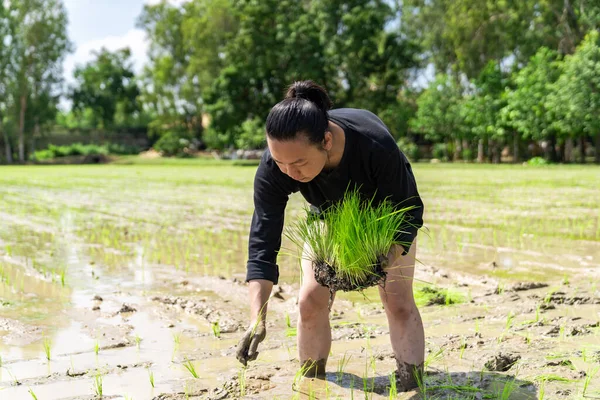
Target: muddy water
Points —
{"points": [[129, 285]]}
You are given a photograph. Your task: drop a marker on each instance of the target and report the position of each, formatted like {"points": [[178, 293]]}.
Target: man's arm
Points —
{"points": [[260, 290]]}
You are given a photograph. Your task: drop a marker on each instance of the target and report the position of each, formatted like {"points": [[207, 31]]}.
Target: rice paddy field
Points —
{"points": [[127, 282]]}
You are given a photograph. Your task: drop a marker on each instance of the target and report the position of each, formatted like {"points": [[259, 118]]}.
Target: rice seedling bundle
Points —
{"points": [[348, 242]]}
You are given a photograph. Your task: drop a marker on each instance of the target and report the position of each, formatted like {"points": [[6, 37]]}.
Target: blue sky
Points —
{"points": [[94, 24]]}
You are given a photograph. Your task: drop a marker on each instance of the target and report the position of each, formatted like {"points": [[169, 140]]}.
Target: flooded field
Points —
{"points": [[127, 282]]}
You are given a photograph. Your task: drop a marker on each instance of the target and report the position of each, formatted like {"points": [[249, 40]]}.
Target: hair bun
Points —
{"points": [[309, 90]]}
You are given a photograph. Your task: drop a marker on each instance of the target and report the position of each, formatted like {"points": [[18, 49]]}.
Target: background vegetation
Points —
{"points": [[453, 79]]}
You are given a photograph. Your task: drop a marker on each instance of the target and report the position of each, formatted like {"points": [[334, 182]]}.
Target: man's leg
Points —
{"points": [[314, 331], [406, 326]]}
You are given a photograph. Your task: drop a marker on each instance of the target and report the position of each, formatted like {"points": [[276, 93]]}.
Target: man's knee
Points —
{"points": [[401, 311], [309, 307]]}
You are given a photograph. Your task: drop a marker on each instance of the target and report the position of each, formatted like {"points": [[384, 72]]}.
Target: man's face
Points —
{"points": [[298, 158]]}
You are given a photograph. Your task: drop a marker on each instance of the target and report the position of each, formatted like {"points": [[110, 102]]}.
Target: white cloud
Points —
{"points": [[135, 39]]}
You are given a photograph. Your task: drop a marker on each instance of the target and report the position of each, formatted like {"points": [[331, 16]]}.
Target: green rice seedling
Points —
{"points": [[552, 378], [98, 378], [242, 381], [507, 389], [509, 320], [433, 357], [290, 331], [216, 329], [463, 346], [32, 394], [47, 348], [177, 339], [588, 378], [128, 397], [342, 363], [62, 276], [393, 387], [565, 280], [151, 377], [190, 367], [138, 340], [96, 348], [354, 234], [542, 390]]}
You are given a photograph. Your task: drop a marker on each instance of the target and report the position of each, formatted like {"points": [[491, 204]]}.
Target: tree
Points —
{"points": [[527, 110], [106, 85], [6, 73], [481, 110], [577, 94], [276, 43], [438, 115], [40, 43], [368, 57]]}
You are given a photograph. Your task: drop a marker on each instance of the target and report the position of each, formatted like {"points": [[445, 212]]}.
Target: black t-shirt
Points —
{"points": [[371, 162]]}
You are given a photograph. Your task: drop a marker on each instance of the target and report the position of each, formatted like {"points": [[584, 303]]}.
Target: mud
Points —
{"points": [[145, 287]]}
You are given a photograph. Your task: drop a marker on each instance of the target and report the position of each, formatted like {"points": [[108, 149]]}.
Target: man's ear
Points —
{"points": [[328, 141]]}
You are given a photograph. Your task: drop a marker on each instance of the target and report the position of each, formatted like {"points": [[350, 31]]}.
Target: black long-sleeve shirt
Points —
{"points": [[371, 162]]}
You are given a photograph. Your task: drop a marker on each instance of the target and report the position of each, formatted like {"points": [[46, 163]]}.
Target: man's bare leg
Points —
{"points": [[314, 331], [406, 327]]}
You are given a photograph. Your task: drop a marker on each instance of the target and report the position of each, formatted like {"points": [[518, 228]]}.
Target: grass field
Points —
{"points": [[70, 232]]}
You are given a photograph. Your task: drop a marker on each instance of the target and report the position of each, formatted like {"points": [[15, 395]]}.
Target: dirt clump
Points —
{"points": [[501, 362], [522, 286]]}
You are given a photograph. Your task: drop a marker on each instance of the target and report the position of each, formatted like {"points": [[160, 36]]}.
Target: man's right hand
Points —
{"points": [[246, 349]]}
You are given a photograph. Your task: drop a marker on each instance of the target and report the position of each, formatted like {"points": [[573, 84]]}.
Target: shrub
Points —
{"points": [[410, 149], [537, 161], [173, 144]]}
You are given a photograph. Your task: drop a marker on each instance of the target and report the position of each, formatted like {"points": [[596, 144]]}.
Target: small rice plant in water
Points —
{"points": [[342, 363], [393, 387], [47, 348], [242, 381], [32, 394], [349, 246], [151, 377], [190, 367], [216, 329], [98, 378]]}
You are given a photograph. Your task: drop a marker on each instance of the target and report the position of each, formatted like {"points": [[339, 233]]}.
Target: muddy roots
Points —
{"points": [[326, 276]]}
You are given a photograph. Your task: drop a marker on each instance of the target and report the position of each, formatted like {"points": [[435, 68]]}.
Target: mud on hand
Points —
{"points": [[246, 349]]}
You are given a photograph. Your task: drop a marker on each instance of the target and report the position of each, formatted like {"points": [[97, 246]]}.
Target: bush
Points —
{"points": [[410, 149], [439, 151], [173, 144], [76, 149], [251, 135], [535, 161], [467, 154], [215, 140]]}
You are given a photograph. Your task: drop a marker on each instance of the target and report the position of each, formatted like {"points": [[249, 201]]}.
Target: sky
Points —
{"points": [[94, 24]]}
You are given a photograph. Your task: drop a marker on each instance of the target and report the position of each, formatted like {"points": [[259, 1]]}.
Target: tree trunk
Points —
{"points": [[36, 133], [597, 155], [569, 150], [7, 148], [552, 148], [582, 148], [480, 155], [516, 145], [22, 128], [457, 150]]}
